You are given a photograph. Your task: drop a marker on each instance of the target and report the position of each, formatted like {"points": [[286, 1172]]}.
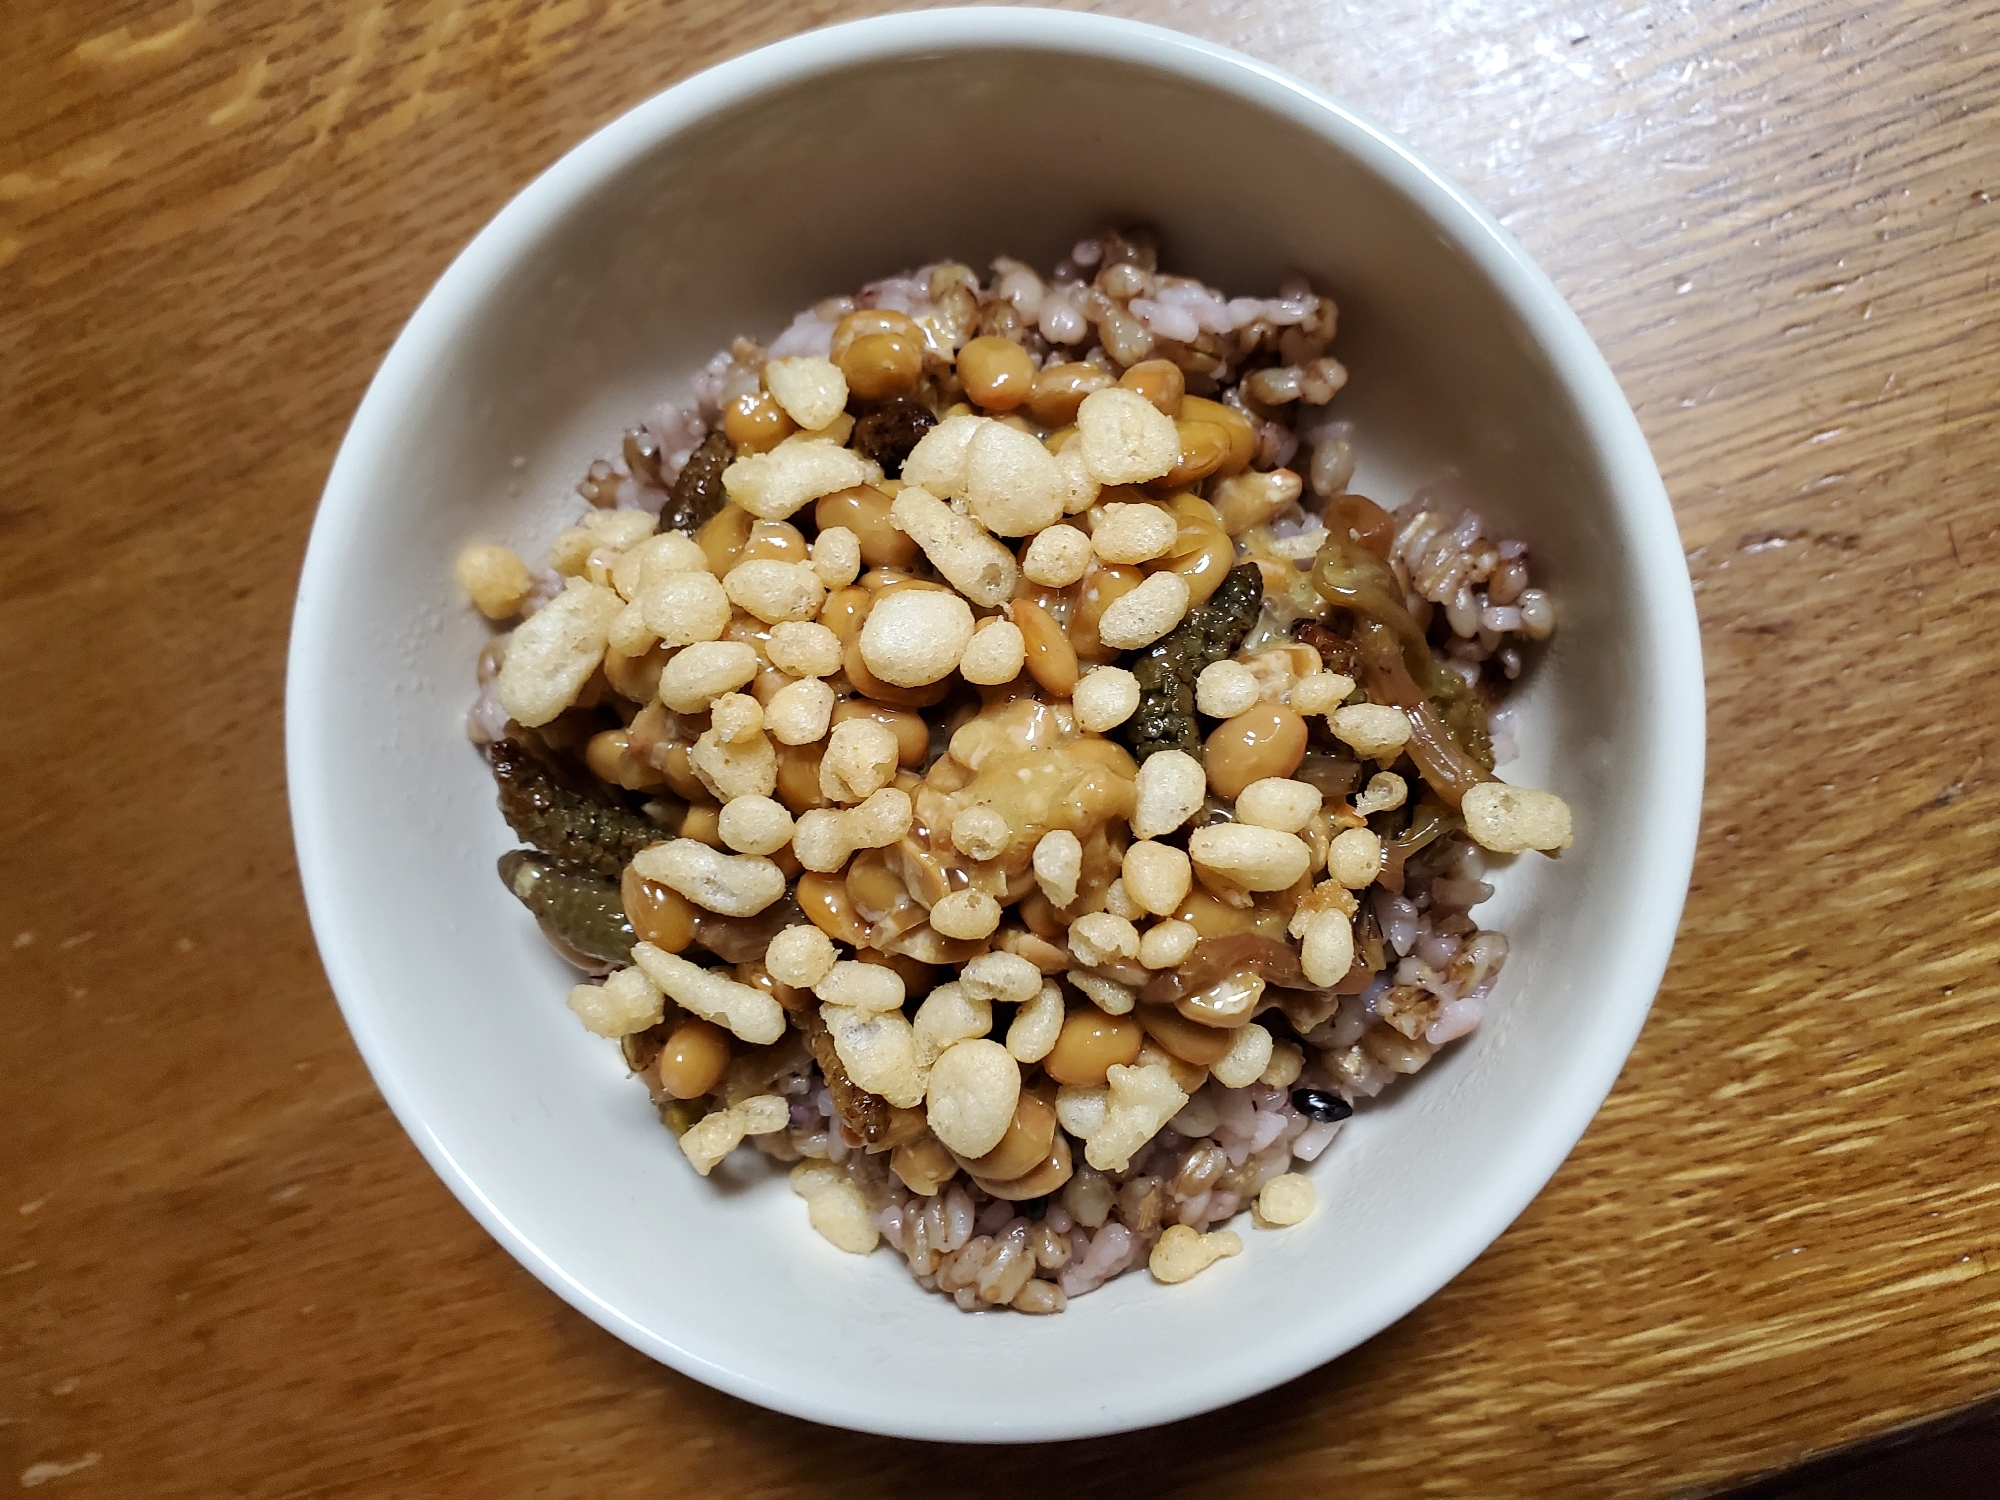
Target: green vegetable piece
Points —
{"points": [[1455, 702], [1349, 575], [682, 1115], [577, 830], [583, 915], [697, 493], [1167, 669]]}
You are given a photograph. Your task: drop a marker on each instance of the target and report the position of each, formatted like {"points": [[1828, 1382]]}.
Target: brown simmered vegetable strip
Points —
{"points": [[1369, 951], [1336, 653], [600, 485], [581, 914], [887, 431], [1336, 776], [737, 940], [1379, 666], [1385, 676], [573, 829], [1352, 577], [867, 1115], [1429, 820], [760, 1070], [1454, 707], [1215, 958], [642, 456], [642, 1049], [1440, 759], [697, 492], [1167, 669]]}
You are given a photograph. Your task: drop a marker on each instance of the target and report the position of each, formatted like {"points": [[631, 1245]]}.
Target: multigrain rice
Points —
{"points": [[982, 756]]}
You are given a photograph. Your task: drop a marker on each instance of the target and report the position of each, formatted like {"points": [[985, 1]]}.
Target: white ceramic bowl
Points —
{"points": [[724, 205]]}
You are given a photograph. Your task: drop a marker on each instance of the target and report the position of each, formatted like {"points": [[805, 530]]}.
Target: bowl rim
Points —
{"points": [[1677, 745]]}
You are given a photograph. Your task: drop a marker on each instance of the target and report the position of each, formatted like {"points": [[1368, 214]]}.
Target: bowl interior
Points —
{"points": [[723, 208]]}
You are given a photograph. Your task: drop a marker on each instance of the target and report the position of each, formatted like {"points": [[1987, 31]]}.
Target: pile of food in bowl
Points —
{"points": [[986, 758]]}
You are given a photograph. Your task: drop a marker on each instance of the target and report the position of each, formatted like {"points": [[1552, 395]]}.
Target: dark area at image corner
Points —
{"points": [[1955, 1457]]}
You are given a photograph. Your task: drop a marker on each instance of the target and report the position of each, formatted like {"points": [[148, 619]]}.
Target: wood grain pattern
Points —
{"points": [[223, 1271]]}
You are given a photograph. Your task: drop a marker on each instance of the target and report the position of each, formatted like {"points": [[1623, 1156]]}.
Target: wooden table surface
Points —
{"points": [[223, 1269]]}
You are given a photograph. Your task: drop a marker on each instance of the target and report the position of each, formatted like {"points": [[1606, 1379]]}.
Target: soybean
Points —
{"points": [[1090, 1044]]}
